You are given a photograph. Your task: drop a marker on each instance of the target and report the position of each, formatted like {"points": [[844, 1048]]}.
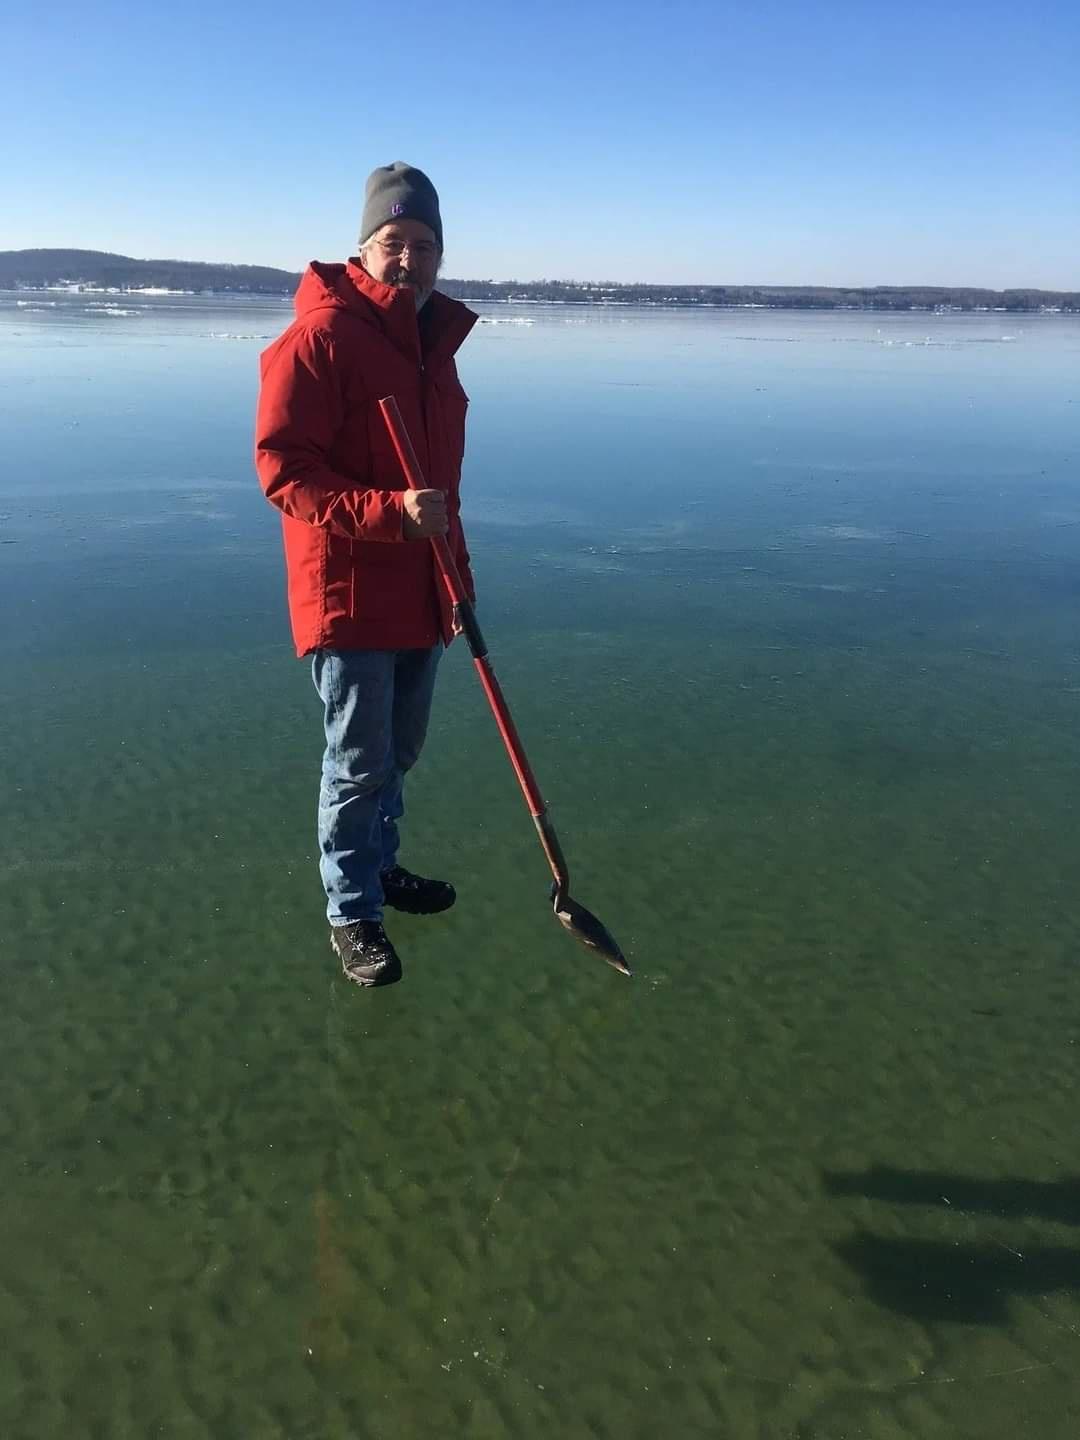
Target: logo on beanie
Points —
{"points": [[397, 209]]}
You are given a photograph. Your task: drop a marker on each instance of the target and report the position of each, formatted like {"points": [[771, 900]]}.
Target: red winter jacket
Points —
{"points": [[325, 459]]}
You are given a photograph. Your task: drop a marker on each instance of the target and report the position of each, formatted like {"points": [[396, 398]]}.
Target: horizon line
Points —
{"points": [[559, 280]]}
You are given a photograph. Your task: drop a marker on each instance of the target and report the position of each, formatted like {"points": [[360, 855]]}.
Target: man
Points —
{"points": [[365, 600]]}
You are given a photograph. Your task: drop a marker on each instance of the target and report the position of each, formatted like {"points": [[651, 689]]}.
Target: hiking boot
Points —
{"points": [[402, 890], [366, 954]]}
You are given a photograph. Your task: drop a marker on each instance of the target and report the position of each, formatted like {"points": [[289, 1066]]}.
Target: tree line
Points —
{"points": [[37, 268]]}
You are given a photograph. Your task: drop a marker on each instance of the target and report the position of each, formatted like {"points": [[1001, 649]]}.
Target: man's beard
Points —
{"points": [[421, 297]]}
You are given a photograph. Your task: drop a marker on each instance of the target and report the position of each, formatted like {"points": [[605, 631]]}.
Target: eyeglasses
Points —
{"points": [[418, 249]]}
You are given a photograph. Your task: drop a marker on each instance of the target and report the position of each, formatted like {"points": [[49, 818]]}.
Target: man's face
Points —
{"points": [[404, 253]]}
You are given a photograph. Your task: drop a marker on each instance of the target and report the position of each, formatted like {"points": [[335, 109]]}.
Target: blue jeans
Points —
{"points": [[376, 705]]}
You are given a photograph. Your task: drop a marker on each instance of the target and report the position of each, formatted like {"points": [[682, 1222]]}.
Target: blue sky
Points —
{"points": [[767, 142]]}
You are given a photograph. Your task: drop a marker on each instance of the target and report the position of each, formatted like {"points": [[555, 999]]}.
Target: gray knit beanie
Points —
{"points": [[399, 192]]}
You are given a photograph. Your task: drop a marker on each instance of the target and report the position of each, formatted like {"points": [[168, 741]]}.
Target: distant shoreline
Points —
{"points": [[520, 297], [97, 272]]}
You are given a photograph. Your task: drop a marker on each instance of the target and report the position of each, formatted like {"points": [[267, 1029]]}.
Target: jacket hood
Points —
{"points": [[325, 286], [346, 287], [333, 286]]}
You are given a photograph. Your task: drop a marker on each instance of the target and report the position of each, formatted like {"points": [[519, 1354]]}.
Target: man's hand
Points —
{"points": [[424, 514]]}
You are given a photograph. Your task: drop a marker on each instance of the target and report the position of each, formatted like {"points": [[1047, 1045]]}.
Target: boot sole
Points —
{"points": [[413, 907]]}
